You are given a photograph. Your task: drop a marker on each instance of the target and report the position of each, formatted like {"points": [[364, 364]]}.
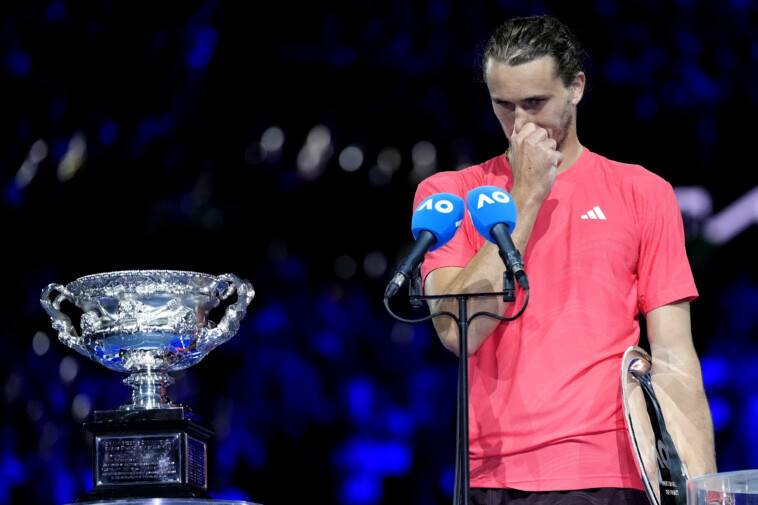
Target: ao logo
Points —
{"points": [[497, 196], [663, 456], [442, 206]]}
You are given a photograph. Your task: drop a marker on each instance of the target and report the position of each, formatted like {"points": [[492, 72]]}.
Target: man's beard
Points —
{"points": [[567, 119]]}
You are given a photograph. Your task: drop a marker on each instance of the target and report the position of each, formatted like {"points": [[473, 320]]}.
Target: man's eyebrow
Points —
{"points": [[526, 99]]}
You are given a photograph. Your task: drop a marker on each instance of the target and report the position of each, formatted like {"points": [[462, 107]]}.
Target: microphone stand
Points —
{"points": [[462, 475]]}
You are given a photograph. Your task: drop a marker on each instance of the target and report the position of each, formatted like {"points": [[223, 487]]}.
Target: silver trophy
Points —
{"points": [[148, 323]]}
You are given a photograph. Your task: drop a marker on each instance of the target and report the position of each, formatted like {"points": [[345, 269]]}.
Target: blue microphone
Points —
{"points": [[493, 213], [434, 223]]}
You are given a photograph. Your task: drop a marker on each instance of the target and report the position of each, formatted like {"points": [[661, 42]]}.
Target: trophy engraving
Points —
{"points": [[147, 323]]}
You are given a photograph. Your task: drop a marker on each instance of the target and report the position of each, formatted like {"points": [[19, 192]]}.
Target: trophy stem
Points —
{"points": [[149, 390]]}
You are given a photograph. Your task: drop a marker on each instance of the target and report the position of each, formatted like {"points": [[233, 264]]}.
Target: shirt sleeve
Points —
{"points": [[663, 270]]}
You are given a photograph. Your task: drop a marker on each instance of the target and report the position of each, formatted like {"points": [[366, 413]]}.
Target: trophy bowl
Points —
{"points": [[147, 323]]}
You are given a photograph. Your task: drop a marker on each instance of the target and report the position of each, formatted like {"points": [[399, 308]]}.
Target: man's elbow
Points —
{"points": [[450, 341], [449, 335]]}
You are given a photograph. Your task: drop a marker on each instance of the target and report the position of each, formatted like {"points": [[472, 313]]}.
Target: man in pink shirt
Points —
{"points": [[602, 244]]}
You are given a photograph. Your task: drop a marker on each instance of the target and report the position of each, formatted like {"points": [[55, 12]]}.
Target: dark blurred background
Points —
{"points": [[283, 143]]}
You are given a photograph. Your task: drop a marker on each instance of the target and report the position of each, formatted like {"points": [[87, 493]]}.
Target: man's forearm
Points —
{"points": [[483, 274], [679, 388], [678, 384]]}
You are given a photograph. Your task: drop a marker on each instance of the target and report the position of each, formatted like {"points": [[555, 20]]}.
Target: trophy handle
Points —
{"points": [[230, 322], [61, 322]]}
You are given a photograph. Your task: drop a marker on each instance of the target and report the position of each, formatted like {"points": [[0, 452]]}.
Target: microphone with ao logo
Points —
{"points": [[434, 223], [493, 213]]}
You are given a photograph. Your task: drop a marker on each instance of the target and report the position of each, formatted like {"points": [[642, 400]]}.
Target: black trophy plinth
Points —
{"points": [[152, 453]]}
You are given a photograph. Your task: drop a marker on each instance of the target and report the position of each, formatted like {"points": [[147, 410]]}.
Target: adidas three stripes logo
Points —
{"points": [[595, 213]]}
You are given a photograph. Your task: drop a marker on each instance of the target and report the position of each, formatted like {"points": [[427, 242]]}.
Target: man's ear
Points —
{"points": [[577, 87]]}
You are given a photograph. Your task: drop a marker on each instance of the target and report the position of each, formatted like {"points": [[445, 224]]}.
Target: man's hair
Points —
{"points": [[521, 40]]}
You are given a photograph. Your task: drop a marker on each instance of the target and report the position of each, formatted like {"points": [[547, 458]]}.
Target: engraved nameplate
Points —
{"points": [[126, 460]]}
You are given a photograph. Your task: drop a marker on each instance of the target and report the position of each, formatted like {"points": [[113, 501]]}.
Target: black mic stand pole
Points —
{"points": [[463, 476]]}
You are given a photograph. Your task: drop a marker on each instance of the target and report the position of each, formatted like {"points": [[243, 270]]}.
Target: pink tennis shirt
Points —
{"points": [[545, 409]]}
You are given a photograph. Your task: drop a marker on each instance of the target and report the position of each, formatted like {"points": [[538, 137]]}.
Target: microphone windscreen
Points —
{"points": [[440, 214], [488, 206]]}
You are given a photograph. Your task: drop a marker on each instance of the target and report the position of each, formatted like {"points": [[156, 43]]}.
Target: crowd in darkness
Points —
{"points": [[285, 147]]}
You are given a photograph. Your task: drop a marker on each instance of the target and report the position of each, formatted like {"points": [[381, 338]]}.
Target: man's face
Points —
{"points": [[533, 92]]}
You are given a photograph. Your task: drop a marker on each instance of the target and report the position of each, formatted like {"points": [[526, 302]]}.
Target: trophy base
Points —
{"points": [[142, 493], [147, 454]]}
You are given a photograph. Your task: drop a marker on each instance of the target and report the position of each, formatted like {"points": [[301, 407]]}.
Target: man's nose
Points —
{"points": [[521, 118]]}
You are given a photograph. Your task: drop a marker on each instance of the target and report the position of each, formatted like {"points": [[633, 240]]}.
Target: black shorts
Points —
{"points": [[597, 496]]}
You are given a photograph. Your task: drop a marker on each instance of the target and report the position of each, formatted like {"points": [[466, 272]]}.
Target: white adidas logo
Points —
{"points": [[595, 213]]}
